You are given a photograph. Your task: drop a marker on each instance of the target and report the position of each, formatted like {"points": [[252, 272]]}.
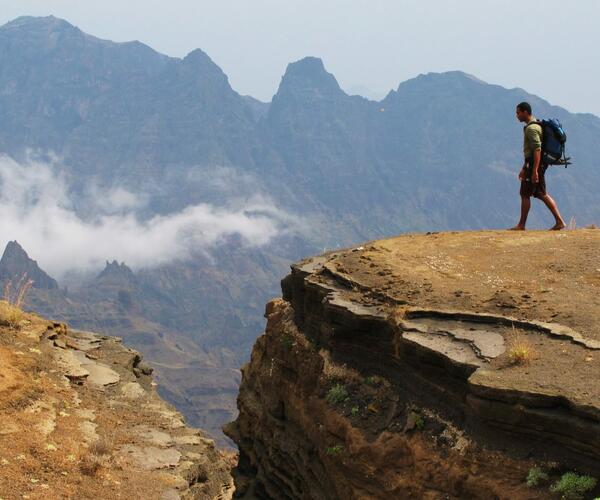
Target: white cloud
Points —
{"points": [[36, 209], [116, 199]]}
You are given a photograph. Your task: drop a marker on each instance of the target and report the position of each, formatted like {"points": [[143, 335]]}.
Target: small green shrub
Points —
{"points": [[337, 394], [371, 380], [536, 476], [572, 486], [354, 411], [334, 450], [314, 344], [419, 422], [287, 342]]}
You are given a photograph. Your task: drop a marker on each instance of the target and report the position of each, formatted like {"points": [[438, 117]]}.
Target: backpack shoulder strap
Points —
{"points": [[534, 122]]}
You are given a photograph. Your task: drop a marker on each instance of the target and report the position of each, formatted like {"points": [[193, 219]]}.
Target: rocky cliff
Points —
{"points": [[431, 366], [173, 133], [80, 418]]}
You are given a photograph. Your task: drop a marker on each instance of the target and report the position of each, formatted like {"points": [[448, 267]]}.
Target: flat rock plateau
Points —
{"points": [[431, 366]]}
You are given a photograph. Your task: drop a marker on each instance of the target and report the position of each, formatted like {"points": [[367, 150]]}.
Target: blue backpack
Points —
{"points": [[554, 138]]}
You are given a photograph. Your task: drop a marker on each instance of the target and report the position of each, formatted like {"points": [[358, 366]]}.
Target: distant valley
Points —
{"points": [[223, 191]]}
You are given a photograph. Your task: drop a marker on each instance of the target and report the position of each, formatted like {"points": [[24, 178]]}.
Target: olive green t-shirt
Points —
{"points": [[532, 140]]}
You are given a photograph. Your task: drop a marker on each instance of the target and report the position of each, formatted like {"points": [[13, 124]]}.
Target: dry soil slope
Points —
{"points": [[80, 418]]}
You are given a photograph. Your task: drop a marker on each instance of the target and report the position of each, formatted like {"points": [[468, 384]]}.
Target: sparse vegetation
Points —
{"points": [[536, 476], [287, 341], [100, 447], [16, 297], [371, 380], [11, 313], [90, 464], [419, 422], [354, 411], [337, 394], [521, 352], [98, 455], [572, 486], [314, 343], [334, 371], [334, 450]]}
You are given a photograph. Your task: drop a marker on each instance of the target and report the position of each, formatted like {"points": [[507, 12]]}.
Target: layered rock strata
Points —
{"points": [[360, 388]]}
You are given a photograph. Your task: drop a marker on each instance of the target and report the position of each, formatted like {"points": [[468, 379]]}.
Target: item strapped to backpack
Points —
{"points": [[554, 138]]}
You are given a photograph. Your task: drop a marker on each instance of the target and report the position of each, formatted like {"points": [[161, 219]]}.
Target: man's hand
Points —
{"points": [[522, 174], [535, 177]]}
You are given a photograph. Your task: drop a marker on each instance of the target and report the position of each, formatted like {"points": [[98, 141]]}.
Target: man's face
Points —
{"points": [[522, 116]]}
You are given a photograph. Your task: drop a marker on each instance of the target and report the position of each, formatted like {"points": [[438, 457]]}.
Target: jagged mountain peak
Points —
{"points": [[118, 270], [199, 57], [14, 250], [199, 63], [307, 65], [15, 263], [308, 73]]}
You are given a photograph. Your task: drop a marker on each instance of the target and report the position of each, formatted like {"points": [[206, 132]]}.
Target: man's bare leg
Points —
{"points": [[525, 206], [553, 207]]}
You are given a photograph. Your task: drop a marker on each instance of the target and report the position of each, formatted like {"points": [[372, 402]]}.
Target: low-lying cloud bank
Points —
{"points": [[36, 209]]}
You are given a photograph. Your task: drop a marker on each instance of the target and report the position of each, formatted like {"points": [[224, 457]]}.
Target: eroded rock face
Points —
{"points": [[99, 428], [356, 391]]}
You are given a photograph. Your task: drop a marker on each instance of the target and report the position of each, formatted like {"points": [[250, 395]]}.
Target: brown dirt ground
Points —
{"points": [[43, 453], [38, 464], [535, 275]]}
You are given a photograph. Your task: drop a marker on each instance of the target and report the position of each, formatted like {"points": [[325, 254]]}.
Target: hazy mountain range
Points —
{"points": [[206, 195]]}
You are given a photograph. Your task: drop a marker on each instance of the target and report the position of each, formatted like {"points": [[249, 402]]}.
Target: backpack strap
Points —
{"points": [[534, 122]]}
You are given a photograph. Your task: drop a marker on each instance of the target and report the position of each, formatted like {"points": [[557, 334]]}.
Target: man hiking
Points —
{"points": [[533, 173]]}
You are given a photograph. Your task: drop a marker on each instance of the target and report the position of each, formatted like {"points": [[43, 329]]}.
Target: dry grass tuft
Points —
{"points": [[17, 297], [10, 315], [521, 352], [90, 464], [97, 456], [101, 447], [334, 371]]}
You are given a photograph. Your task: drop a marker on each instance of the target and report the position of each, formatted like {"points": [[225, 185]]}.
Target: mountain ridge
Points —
{"points": [[441, 152], [314, 61]]}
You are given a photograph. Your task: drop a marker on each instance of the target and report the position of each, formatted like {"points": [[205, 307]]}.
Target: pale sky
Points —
{"points": [[547, 47]]}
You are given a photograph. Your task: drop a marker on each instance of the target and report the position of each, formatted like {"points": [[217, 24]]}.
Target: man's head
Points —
{"points": [[523, 112]]}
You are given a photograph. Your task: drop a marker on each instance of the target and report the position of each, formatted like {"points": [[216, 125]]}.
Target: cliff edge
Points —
{"points": [[80, 418], [434, 366]]}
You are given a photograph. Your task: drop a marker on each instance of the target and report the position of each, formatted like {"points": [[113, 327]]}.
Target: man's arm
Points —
{"points": [[537, 157]]}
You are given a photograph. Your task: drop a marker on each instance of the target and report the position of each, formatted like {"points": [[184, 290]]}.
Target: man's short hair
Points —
{"points": [[524, 106]]}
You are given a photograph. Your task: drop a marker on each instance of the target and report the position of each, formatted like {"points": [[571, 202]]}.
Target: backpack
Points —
{"points": [[554, 138]]}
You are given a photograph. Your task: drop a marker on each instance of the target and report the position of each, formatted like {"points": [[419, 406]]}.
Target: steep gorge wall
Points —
{"points": [[349, 394]]}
